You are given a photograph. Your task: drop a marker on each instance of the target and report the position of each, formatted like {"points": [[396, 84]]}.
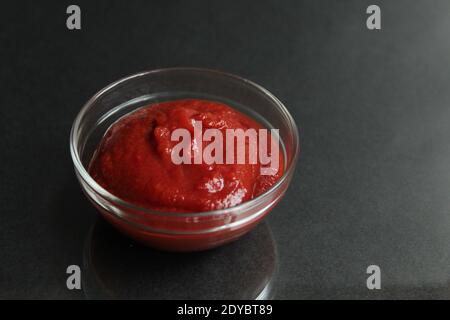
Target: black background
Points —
{"points": [[372, 185]]}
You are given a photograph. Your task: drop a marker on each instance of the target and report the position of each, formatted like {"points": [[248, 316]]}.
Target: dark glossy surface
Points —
{"points": [[373, 181], [117, 268]]}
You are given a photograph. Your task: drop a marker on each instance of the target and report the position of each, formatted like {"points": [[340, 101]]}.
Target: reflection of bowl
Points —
{"points": [[116, 268], [169, 230]]}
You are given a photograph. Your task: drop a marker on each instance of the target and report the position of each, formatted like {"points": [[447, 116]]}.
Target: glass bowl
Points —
{"points": [[176, 231]]}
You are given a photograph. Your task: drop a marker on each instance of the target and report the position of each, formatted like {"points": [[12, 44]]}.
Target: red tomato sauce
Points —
{"points": [[133, 160]]}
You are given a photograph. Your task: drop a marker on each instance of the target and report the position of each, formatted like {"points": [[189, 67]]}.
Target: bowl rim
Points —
{"points": [[236, 210]]}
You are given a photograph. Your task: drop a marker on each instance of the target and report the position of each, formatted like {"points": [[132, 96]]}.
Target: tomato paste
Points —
{"points": [[134, 159]]}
